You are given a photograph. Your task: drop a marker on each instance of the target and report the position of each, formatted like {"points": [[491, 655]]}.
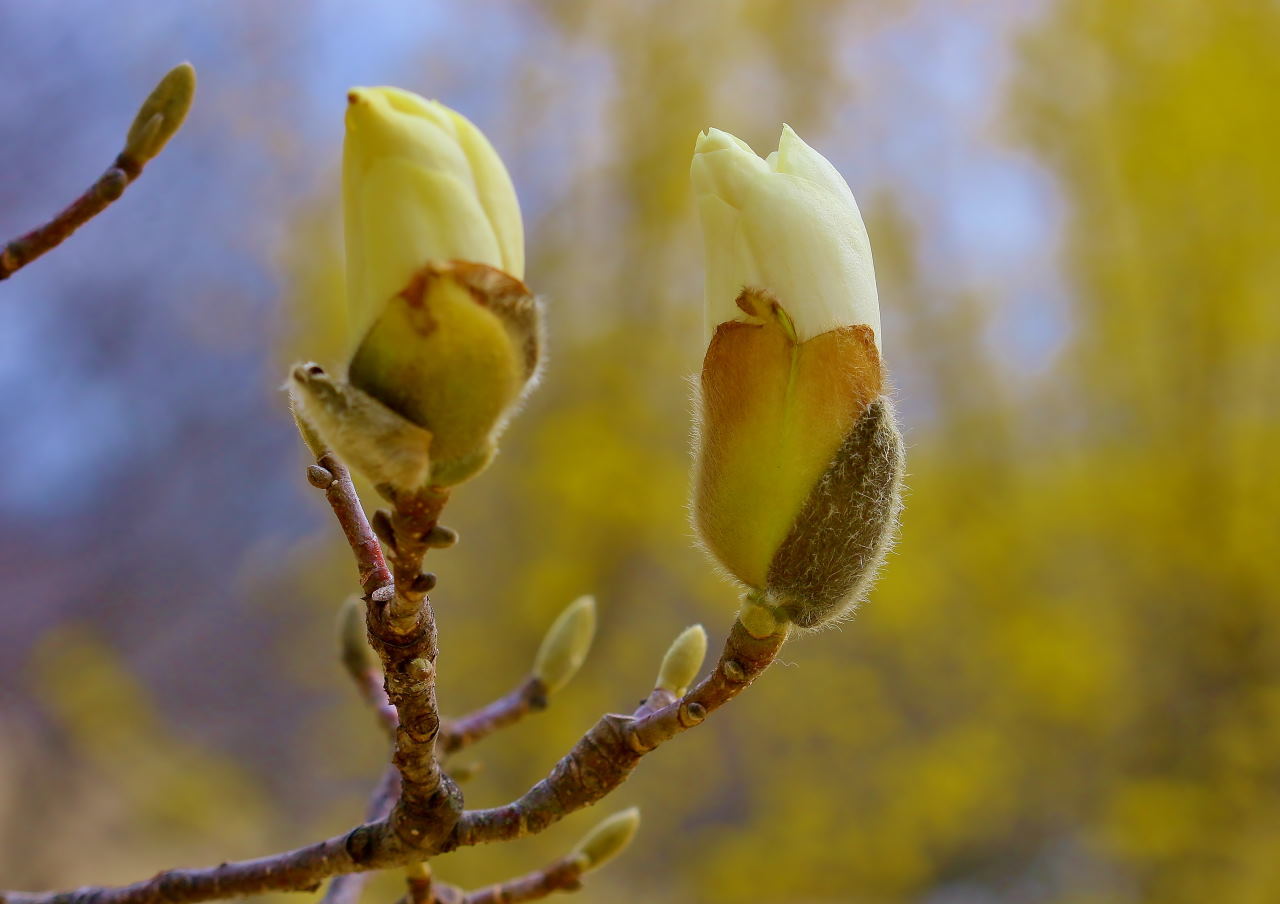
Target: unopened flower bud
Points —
{"points": [[607, 839], [565, 646], [161, 114], [445, 338], [799, 459], [683, 661]]}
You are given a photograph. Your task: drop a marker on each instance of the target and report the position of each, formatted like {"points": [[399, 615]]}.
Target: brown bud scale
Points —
{"points": [[830, 557]]}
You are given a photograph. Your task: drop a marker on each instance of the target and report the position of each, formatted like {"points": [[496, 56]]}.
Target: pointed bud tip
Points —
{"points": [[713, 139], [566, 644], [161, 114], [683, 661], [608, 838]]}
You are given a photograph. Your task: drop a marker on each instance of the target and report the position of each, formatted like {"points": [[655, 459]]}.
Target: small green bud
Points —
{"points": [[466, 772], [607, 839], [357, 655], [161, 114], [566, 644], [683, 661]]}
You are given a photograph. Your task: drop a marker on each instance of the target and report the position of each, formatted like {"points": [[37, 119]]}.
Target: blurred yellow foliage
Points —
{"points": [[1066, 688], [1068, 678]]}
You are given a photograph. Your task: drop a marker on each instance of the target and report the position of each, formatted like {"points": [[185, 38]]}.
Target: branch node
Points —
{"points": [[734, 671], [359, 843], [692, 713], [634, 742], [420, 669]]}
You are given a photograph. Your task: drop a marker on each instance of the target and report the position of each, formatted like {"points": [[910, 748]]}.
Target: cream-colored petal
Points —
{"points": [[725, 167], [496, 192], [380, 125], [728, 269], [812, 252], [403, 217], [798, 233], [794, 157]]}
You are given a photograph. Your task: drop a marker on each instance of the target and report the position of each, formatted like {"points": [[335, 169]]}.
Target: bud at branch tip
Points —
{"points": [[161, 114], [566, 644], [607, 839]]}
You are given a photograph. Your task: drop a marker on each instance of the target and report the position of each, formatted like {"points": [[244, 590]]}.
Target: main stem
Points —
{"points": [[402, 631], [427, 818]]}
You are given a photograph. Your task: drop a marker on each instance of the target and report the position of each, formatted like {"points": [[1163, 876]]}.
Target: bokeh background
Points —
{"points": [[1065, 689]]}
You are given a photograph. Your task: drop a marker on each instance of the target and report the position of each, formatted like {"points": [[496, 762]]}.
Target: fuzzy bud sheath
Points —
{"points": [[798, 478]]}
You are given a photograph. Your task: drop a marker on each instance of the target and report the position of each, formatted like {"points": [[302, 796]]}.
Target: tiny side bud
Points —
{"points": [[465, 772], [566, 644], [683, 661], [357, 656], [607, 839]]}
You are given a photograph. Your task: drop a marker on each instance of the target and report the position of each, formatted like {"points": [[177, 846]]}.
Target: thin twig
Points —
{"points": [[160, 116], [418, 878], [563, 875], [346, 889], [368, 847], [530, 696], [598, 763], [109, 186], [604, 757]]}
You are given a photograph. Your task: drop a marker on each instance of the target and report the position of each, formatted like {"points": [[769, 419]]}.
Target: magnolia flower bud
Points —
{"points": [[799, 460], [161, 114], [445, 337], [420, 183], [566, 643]]}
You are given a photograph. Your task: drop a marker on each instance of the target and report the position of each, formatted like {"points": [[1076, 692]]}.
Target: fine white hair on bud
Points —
{"points": [[382, 445], [831, 555]]}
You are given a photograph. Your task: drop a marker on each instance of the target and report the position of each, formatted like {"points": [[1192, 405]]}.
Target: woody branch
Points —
{"points": [[420, 827], [157, 120]]}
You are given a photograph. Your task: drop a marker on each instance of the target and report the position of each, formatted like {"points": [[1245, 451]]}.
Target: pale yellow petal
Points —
{"points": [[390, 237], [496, 193]]}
